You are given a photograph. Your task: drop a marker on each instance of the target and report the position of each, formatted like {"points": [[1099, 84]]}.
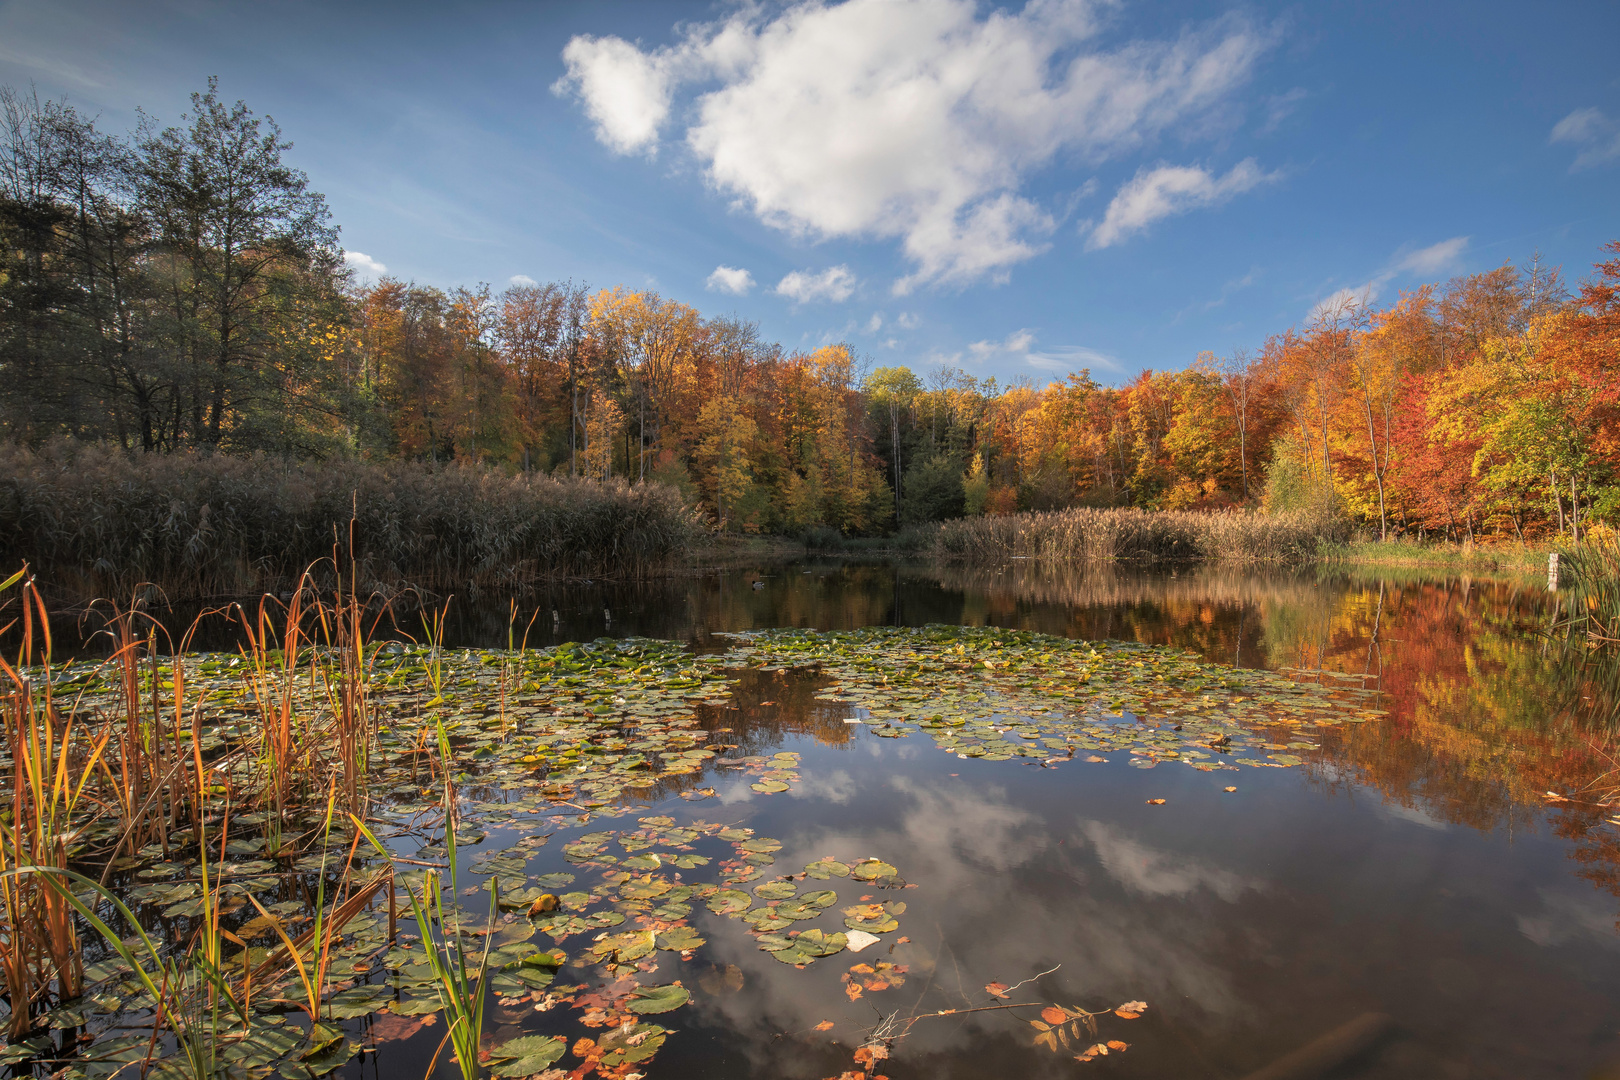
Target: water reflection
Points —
{"points": [[1414, 866]]}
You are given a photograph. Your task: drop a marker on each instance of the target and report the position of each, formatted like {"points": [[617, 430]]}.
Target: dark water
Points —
{"points": [[1413, 867]]}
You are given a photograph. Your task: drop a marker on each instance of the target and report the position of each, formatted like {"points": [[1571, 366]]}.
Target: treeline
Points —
{"points": [[183, 289]]}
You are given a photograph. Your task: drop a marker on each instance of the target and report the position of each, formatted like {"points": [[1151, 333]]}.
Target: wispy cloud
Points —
{"points": [[1066, 358], [1595, 134], [730, 279], [836, 283], [1424, 262], [522, 279], [1015, 343], [1167, 190]]}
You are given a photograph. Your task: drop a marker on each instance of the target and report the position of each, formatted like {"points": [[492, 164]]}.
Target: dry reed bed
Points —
{"points": [[94, 521], [1095, 535]]}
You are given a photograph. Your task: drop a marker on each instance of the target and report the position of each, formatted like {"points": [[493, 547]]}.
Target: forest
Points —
{"points": [[183, 290]]}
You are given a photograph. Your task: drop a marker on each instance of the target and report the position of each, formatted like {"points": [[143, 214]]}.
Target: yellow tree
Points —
{"points": [[724, 458]]}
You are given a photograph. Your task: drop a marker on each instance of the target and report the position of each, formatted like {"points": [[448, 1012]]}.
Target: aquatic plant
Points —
{"points": [[1092, 535], [1590, 580]]}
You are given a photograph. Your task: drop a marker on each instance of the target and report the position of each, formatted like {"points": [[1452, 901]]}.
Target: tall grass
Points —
{"points": [[1096, 535], [1591, 574], [94, 521], [306, 738]]}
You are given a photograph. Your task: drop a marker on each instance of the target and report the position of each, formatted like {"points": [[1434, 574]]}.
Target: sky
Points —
{"points": [[1018, 191]]}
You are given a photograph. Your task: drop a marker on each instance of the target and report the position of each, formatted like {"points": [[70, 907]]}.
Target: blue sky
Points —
{"points": [[1017, 191]]}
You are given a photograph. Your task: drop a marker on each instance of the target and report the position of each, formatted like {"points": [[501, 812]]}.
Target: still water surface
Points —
{"points": [[1413, 867]]}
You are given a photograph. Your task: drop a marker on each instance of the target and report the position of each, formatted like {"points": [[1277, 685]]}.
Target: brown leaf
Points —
{"points": [[1094, 758], [1231, 789], [1131, 1010], [1053, 1015], [852, 990], [1117, 1046], [996, 990], [1155, 802], [825, 1025]]}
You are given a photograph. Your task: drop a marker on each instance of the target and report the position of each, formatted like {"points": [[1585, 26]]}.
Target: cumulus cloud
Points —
{"points": [[914, 120], [1597, 136], [836, 283], [730, 279], [365, 264], [1166, 190], [522, 279]]}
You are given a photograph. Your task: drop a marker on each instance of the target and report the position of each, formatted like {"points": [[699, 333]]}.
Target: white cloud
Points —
{"points": [[730, 279], [1167, 190], [365, 264], [836, 283], [1426, 262], [908, 320], [875, 323], [625, 91], [1067, 358], [908, 119], [522, 279], [1434, 258], [1018, 341], [1597, 136]]}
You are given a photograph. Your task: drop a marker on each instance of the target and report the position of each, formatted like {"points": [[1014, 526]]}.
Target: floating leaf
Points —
{"points": [[648, 1000]]}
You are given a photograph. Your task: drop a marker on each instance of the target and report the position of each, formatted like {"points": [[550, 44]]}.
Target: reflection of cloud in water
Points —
{"points": [[1415, 814], [1002, 895], [736, 792], [1141, 869], [836, 787], [1564, 918]]}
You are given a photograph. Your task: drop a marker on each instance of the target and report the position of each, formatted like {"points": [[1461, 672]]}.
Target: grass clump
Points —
{"points": [[95, 521], [1086, 534], [1591, 574]]}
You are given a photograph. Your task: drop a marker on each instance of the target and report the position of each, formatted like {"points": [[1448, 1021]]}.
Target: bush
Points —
{"points": [[94, 521]]}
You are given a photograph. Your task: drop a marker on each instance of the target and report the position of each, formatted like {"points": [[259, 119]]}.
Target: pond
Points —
{"points": [[1173, 870]]}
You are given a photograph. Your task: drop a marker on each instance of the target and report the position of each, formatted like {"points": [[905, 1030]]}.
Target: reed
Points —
{"points": [[94, 521], [1095, 535], [1590, 574], [52, 759]]}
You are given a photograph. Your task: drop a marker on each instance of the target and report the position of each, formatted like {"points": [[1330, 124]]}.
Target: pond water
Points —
{"points": [[1450, 865]]}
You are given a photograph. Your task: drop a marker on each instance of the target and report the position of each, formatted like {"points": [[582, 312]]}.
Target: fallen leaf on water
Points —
{"points": [[1231, 789], [1131, 1010], [1054, 1016], [1155, 802], [852, 990], [1117, 1046], [825, 1025], [1094, 757], [996, 990]]}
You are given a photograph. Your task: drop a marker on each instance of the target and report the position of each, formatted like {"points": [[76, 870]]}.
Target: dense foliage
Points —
{"points": [[184, 290]]}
